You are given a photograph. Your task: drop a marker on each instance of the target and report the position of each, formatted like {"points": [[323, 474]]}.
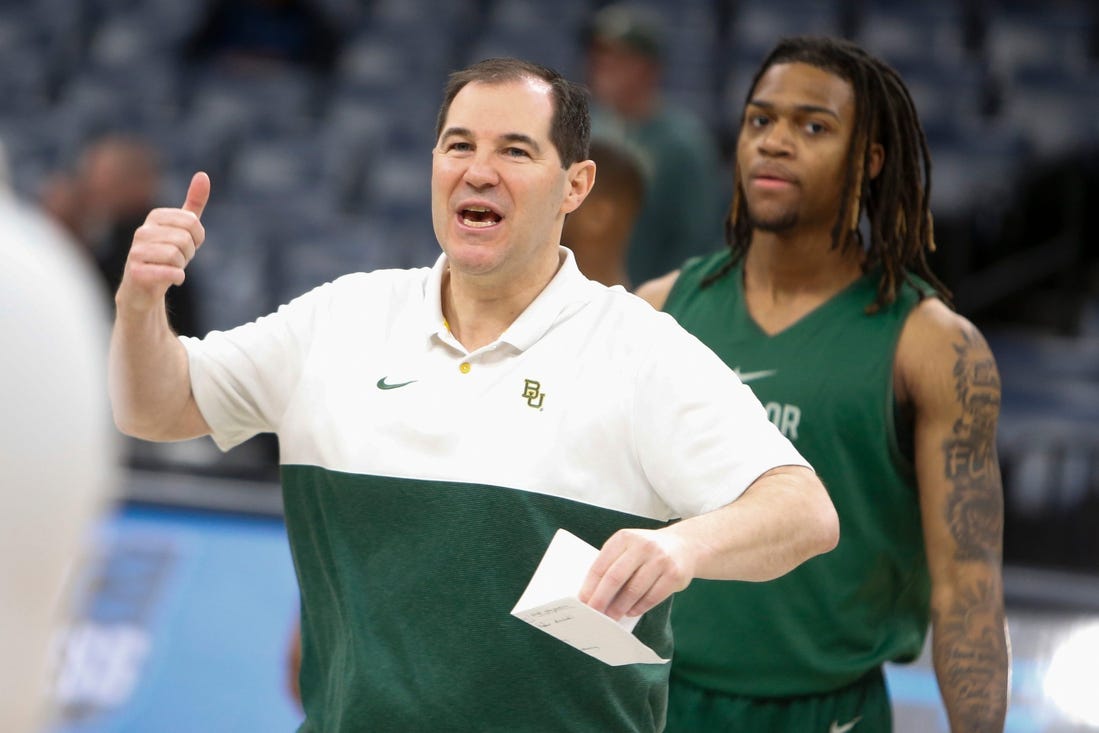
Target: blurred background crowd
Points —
{"points": [[315, 120]]}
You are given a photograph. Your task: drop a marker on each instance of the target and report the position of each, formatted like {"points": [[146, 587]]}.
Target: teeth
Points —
{"points": [[479, 217]]}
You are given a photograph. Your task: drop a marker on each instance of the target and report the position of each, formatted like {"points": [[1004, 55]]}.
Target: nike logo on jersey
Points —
{"points": [[382, 384], [753, 376], [837, 728]]}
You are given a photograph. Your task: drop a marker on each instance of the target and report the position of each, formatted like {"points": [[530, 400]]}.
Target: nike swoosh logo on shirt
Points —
{"points": [[837, 728], [753, 376], [383, 385]]}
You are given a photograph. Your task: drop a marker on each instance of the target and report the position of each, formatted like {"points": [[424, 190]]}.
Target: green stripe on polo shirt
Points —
{"points": [[407, 587]]}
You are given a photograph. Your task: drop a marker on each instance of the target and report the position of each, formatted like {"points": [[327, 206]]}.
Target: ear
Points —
{"points": [[580, 177], [877, 159]]}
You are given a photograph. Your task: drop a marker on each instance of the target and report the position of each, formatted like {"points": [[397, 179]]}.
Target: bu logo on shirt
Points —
{"points": [[532, 391]]}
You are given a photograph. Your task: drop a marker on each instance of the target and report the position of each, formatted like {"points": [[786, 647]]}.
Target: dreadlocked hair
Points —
{"points": [[896, 201]]}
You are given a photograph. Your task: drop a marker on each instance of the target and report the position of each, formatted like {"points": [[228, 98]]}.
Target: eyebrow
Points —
{"points": [[510, 137], [517, 137], [804, 108]]}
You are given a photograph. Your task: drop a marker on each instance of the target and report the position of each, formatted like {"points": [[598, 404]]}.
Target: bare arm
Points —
{"points": [[150, 383], [946, 370], [656, 291], [783, 519]]}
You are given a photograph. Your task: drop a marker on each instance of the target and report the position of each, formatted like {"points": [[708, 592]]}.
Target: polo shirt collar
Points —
{"points": [[433, 321], [563, 295]]}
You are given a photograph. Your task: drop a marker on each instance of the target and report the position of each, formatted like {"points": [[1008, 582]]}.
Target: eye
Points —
{"points": [[757, 120], [459, 146], [516, 153], [815, 128]]}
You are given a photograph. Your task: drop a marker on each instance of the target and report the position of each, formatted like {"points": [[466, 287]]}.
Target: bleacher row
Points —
{"points": [[314, 176]]}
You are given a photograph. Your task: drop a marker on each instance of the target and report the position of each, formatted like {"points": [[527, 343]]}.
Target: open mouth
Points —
{"points": [[479, 217]]}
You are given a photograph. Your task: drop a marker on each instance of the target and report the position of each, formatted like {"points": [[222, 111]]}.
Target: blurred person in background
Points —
{"points": [[685, 200], [598, 232], [58, 450], [114, 184], [891, 395]]}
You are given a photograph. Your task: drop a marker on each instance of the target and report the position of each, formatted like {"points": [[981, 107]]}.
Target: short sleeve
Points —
{"points": [[243, 379], [702, 436]]}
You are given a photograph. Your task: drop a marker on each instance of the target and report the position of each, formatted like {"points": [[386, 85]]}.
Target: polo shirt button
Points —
{"points": [[465, 367]]}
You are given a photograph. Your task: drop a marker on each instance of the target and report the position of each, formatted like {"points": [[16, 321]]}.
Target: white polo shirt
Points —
{"points": [[589, 395], [422, 483]]}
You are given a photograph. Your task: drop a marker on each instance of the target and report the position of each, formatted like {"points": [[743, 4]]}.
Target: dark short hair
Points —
{"points": [[570, 128]]}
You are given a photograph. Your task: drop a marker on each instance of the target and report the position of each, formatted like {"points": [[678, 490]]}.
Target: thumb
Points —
{"points": [[198, 193]]}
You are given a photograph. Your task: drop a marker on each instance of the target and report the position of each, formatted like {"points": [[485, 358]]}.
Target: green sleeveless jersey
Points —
{"points": [[827, 383]]}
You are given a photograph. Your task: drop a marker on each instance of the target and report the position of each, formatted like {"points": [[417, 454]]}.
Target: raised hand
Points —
{"points": [[162, 248]]}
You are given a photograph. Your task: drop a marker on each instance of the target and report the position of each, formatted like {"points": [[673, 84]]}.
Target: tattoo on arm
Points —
{"points": [[971, 656], [974, 509]]}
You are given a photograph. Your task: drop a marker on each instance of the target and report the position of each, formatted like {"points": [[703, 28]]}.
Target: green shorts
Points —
{"points": [[862, 707]]}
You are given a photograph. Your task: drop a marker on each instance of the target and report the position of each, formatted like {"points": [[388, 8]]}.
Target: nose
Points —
{"points": [[480, 172], [776, 139]]}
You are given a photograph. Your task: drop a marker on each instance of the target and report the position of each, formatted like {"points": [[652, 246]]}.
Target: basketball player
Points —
{"points": [[891, 395]]}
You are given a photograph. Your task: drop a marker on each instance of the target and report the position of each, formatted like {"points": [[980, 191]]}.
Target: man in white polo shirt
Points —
{"points": [[436, 426]]}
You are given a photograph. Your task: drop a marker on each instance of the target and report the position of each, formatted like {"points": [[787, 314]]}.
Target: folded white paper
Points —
{"points": [[551, 604]]}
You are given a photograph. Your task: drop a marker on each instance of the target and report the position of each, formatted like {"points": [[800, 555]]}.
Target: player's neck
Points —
{"points": [[799, 265], [479, 309], [787, 278]]}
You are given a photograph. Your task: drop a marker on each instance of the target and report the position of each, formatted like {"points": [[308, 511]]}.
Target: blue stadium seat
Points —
{"points": [[36, 146], [336, 247], [559, 51], [148, 93], [275, 102], [381, 61], [399, 184], [25, 79], [1046, 34], [283, 166], [233, 272], [1058, 111], [1049, 426], [972, 168], [947, 95], [693, 76], [372, 62], [758, 24], [911, 34]]}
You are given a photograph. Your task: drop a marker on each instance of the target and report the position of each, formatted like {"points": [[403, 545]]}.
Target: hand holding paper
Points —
{"points": [[636, 570], [551, 603]]}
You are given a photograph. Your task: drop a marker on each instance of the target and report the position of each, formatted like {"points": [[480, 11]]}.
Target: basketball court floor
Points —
{"points": [[186, 614]]}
